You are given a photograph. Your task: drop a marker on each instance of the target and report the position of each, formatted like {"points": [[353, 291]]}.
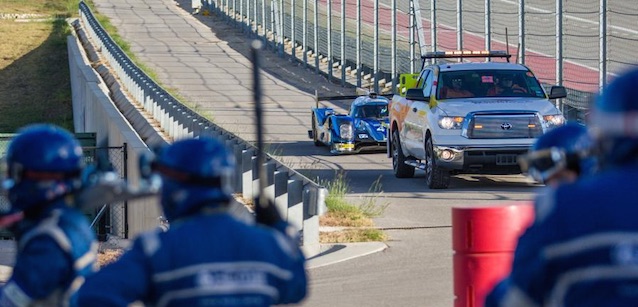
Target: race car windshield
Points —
{"points": [[488, 83], [372, 111]]}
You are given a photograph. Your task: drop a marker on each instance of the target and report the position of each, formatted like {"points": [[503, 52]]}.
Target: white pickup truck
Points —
{"points": [[467, 117]]}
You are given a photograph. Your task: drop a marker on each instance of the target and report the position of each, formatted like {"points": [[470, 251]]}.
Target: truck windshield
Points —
{"points": [[488, 83]]}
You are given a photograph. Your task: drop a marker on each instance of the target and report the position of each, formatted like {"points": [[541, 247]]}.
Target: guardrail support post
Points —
{"points": [[281, 193], [247, 160], [270, 168], [295, 203], [238, 152], [310, 230]]}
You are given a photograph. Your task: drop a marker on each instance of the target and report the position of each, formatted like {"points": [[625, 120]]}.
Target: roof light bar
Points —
{"points": [[467, 54]]}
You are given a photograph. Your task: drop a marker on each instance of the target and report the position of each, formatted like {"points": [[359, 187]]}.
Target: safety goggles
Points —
{"points": [[543, 164]]}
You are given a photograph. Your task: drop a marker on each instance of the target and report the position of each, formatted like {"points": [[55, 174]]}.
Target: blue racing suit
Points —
{"points": [[582, 249], [56, 251], [209, 259]]}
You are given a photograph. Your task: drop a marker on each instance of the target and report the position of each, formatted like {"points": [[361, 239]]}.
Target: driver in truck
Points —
{"points": [[457, 90]]}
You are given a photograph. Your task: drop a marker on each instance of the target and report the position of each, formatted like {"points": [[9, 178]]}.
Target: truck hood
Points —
{"points": [[460, 107]]}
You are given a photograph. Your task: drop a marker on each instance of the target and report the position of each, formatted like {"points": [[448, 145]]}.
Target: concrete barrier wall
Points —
{"points": [[94, 111]]}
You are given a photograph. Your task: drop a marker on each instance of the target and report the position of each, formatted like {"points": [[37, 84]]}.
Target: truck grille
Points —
{"points": [[504, 126]]}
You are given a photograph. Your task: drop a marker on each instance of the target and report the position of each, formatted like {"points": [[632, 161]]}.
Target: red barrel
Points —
{"points": [[483, 240]]}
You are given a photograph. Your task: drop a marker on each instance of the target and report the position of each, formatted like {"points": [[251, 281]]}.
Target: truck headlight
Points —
{"points": [[554, 120], [450, 122], [345, 131]]}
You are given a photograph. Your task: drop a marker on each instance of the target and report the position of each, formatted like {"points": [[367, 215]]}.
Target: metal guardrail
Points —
{"points": [[285, 186]]}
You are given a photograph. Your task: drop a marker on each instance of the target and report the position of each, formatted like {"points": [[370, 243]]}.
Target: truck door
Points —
{"points": [[415, 120]]}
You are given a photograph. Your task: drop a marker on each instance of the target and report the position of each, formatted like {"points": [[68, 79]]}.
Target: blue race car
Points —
{"points": [[362, 129]]}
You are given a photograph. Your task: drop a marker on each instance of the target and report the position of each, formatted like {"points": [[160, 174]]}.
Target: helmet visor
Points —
{"points": [[543, 164]]}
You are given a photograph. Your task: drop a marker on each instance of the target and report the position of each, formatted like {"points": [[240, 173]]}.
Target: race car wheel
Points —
{"points": [[435, 177], [315, 137], [401, 170]]}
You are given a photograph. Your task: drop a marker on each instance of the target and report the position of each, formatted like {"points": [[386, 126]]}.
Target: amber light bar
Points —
{"points": [[467, 54]]}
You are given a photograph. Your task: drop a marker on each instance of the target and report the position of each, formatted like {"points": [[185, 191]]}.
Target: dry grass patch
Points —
{"points": [[345, 219], [353, 235]]}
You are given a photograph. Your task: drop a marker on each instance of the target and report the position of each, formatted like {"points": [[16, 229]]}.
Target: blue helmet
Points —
{"points": [[44, 164], [568, 147], [614, 120], [196, 173]]}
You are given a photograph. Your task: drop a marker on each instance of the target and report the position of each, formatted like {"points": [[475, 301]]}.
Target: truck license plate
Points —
{"points": [[506, 159]]}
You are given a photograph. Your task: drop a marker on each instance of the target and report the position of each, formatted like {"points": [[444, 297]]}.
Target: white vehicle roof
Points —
{"points": [[480, 66]]}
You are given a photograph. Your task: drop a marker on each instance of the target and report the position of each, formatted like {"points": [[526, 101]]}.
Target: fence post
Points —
{"points": [[433, 27], [559, 49], [243, 5], [343, 43], [394, 43], [359, 70], [263, 22], [521, 32], [602, 68], [488, 26], [375, 73], [329, 36], [253, 28], [293, 37], [316, 36], [411, 27], [304, 33], [281, 23], [459, 25]]}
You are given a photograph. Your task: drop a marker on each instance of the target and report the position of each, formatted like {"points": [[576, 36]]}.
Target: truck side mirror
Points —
{"points": [[416, 94], [557, 91]]}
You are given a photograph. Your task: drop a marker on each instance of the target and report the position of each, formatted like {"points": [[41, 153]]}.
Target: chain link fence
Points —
{"points": [[580, 44], [112, 220], [109, 219]]}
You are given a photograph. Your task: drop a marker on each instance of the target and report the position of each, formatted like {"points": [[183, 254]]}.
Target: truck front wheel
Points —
{"points": [[435, 176], [401, 170]]}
